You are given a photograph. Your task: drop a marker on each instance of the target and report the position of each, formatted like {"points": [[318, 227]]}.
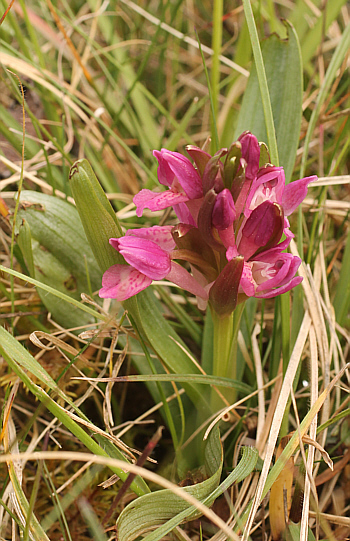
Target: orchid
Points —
{"points": [[232, 232]]}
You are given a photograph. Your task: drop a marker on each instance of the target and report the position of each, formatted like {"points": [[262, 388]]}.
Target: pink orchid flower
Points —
{"points": [[232, 229], [148, 253]]}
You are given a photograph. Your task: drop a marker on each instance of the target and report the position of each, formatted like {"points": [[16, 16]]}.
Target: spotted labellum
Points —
{"points": [[232, 232]]}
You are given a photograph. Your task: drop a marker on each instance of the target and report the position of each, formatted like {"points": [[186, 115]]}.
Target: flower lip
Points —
{"points": [[122, 282], [144, 255]]}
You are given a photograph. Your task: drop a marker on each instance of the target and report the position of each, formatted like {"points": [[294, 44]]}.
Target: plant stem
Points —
{"points": [[225, 353]]}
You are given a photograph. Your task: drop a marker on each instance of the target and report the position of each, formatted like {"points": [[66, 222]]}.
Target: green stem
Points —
{"points": [[225, 353]]}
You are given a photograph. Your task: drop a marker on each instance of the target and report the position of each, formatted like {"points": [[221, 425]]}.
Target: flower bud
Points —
{"points": [[232, 163], [224, 210], [205, 221], [212, 170], [250, 153]]}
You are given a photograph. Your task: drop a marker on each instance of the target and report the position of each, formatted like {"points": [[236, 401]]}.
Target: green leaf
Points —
{"points": [[293, 533], [263, 86], [146, 312], [56, 252], [198, 378], [59, 294], [154, 509], [241, 471], [34, 527], [283, 68], [96, 214]]}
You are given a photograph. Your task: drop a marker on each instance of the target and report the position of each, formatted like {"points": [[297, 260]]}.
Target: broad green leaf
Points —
{"points": [[24, 364], [241, 471], [56, 251], [53, 291], [152, 510], [284, 77], [262, 80]]}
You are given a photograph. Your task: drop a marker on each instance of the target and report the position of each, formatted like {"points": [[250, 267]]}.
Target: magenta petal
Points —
{"points": [[279, 291], [272, 274], [247, 283], [224, 212], [185, 173], [144, 255], [161, 235], [268, 186], [250, 153], [227, 237], [262, 230], [165, 174], [122, 282], [157, 201], [179, 276], [183, 213], [295, 193]]}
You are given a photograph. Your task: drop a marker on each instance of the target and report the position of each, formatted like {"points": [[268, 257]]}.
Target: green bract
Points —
{"points": [[96, 213]]}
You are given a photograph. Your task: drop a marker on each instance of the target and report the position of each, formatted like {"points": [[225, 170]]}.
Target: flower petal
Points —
{"points": [[247, 283], [262, 230], [144, 255], [280, 273], [183, 170], [183, 213], [280, 290], [122, 282], [157, 201], [268, 186], [165, 174], [295, 193], [161, 235]]}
